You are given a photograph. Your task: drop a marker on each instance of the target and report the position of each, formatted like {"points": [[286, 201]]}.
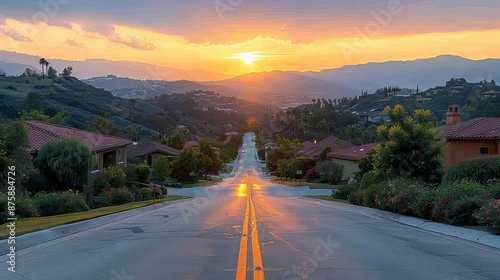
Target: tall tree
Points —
{"points": [[68, 159], [412, 149], [42, 63]]}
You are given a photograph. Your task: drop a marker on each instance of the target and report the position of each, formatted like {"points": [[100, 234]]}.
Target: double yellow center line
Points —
{"points": [[258, 268]]}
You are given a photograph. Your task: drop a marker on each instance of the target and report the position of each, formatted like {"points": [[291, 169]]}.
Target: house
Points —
{"points": [[350, 158], [316, 149], [109, 150], [151, 150], [422, 100], [489, 94], [374, 116], [479, 137]]}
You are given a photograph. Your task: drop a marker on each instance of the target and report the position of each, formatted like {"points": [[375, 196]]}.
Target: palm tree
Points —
{"points": [[42, 62], [46, 66]]}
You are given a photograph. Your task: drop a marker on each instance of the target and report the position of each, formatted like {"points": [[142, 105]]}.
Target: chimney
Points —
{"points": [[453, 115]]}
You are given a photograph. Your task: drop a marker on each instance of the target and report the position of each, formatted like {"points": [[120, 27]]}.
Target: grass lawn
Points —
{"points": [[327, 197], [201, 183], [28, 225], [304, 183]]}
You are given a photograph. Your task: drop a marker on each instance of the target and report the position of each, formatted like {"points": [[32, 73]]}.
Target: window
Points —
{"points": [[120, 156], [95, 168], [484, 151]]}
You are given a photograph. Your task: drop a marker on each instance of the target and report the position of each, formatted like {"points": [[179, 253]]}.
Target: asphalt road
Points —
{"points": [[247, 227]]}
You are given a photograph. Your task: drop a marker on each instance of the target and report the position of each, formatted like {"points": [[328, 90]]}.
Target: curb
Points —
{"points": [[42, 236], [477, 236]]}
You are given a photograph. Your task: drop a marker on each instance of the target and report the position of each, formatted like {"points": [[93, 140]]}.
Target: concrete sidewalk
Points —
{"points": [[477, 236], [38, 237]]}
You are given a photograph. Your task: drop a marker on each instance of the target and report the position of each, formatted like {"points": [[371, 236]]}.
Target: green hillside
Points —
{"points": [[83, 102]]}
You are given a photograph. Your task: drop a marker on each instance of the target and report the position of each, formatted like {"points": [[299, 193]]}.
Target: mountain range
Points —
{"points": [[275, 87]]}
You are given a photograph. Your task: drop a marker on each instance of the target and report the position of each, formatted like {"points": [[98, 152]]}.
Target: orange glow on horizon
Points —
{"points": [[262, 53]]}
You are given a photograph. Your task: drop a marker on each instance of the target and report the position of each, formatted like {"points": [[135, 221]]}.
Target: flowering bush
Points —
{"points": [[447, 197], [311, 174], [118, 196], [489, 215], [399, 196], [460, 211], [57, 203]]}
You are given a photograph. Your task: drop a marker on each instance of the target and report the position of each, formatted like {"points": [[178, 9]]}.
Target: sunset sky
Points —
{"points": [[240, 36]]}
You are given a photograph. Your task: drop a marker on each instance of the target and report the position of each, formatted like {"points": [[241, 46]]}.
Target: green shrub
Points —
{"points": [[26, 208], [489, 215], [356, 197], [118, 196], [330, 172], [146, 194], [143, 172], [493, 189], [480, 170], [344, 191], [370, 193], [447, 195], [425, 203], [131, 173], [57, 203], [368, 180], [115, 176]]}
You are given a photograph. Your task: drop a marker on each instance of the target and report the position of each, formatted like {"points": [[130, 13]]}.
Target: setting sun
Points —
{"points": [[248, 57]]}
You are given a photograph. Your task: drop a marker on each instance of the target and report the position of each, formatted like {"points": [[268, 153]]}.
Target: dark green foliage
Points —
{"points": [[119, 196], [162, 168], [103, 125], [344, 191], [13, 146], [356, 197], [288, 167], [330, 172], [425, 203], [34, 101], [57, 203], [69, 159], [146, 193], [114, 176], [211, 162], [143, 173], [413, 149], [480, 170], [26, 208], [175, 141], [189, 161]]}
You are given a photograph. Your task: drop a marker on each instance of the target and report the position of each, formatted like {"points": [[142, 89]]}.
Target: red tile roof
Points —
{"points": [[479, 128], [355, 153], [191, 144], [142, 150], [333, 142], [41, 132]]}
